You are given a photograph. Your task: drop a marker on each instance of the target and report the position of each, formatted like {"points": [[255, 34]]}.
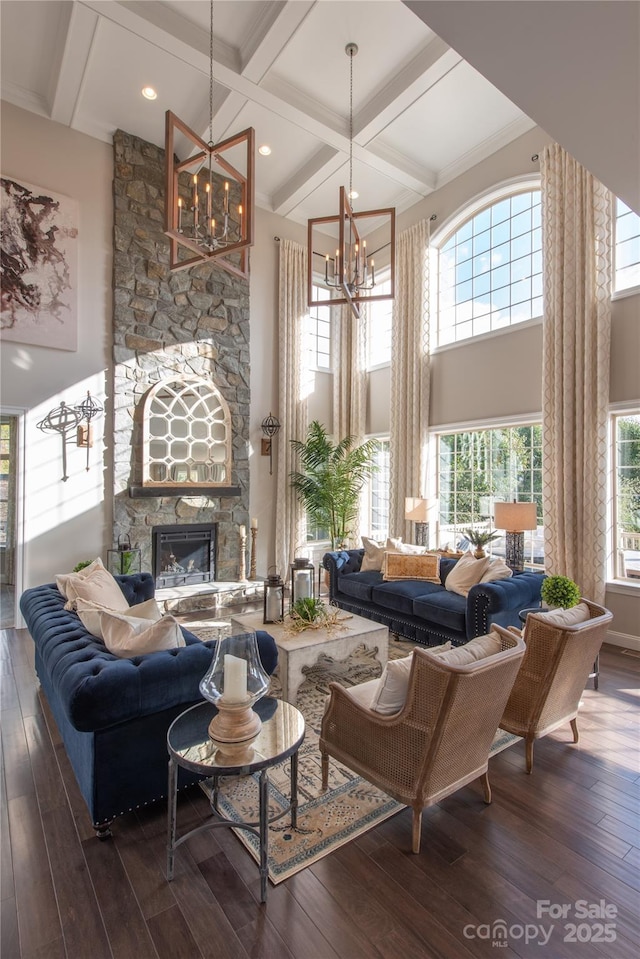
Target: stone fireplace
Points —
{"points": [[167, 326]]}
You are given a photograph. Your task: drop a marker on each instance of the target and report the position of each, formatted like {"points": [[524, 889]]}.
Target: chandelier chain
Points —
{"points": [[351, 56], [211, 73]]}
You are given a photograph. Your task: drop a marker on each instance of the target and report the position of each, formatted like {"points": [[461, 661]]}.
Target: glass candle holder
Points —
{"points": [[233, 683]]}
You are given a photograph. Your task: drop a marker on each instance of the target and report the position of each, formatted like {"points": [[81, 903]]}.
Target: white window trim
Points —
{"points": [[517, 184], [612, 584]]}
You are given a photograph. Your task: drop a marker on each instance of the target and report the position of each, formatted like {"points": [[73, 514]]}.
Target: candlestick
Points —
{"points": [[208, 192], [240, 215], [226, 196], [243, 554], [179, 214], [254, 534]]}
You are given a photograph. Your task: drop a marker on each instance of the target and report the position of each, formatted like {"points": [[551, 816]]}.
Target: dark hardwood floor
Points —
{"points": [[569, 834]]}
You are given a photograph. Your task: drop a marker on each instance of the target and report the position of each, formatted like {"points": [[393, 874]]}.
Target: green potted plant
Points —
{"points": [[560, 591], [312, 613], [479, 538], [330, 478]]}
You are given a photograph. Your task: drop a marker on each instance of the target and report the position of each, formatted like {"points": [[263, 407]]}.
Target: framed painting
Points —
{"points": [[38, 272]]}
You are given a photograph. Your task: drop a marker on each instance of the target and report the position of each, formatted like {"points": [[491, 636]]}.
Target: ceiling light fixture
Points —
{"points": [[264, 150], [353, 271], [210, 203], [149, 93]]}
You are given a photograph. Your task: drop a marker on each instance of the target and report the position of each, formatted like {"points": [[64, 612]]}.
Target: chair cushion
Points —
{"points": [[473, 651], [391, 691], [565, 617], [466, 573], [442, 608]]}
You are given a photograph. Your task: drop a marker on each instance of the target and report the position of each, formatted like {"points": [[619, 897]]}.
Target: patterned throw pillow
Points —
{"points": [[405, 566]]}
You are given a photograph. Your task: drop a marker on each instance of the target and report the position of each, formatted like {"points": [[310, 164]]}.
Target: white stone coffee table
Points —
{"points": [[298, 651]]}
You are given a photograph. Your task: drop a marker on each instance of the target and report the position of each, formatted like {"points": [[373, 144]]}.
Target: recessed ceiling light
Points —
{"points": [[149, 93], [353, 195], [264, 150]]}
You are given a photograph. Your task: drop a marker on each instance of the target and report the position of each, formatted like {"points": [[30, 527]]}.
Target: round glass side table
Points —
{"points": [[189, 745]]}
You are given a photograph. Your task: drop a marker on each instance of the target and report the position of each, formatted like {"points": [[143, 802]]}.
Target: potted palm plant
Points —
{"points": [[330, 478], [479, 538]]}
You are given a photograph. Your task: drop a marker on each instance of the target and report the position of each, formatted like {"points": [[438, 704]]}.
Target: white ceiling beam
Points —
{"points": [[312, 175], [262, 50], [74, 41]]}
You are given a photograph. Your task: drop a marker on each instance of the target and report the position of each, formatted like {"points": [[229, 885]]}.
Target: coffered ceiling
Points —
{"points": [[422, 113]]}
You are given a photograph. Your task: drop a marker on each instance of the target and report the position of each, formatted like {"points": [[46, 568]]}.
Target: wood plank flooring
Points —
{"points": [[566, 834]]}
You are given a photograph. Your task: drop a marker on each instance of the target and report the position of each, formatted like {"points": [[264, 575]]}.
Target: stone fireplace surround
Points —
{"points": [[189, 322]]}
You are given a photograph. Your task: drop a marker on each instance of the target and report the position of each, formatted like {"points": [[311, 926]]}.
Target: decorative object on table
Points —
{"points": [[89, 409], [312, 613], [416, 510], [243, 554], [273, 611], [62, 419], [194, 219], [270, 427], [514, 518], [560, 591], [353, 272], [330, 479], [479, 538], [39, 277], [254, 536], [234, 682], [124, 559], [302, 580]]}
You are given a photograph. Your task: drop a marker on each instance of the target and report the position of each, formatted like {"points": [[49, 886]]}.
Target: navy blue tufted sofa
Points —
{"points": [[113, 714], [427, 612]]}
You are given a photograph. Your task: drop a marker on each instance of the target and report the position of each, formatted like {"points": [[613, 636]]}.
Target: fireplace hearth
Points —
{"points": [[184, 554]]}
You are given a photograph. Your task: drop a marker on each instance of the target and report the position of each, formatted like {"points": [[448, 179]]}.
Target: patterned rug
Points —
{"points": [[326, 820]]}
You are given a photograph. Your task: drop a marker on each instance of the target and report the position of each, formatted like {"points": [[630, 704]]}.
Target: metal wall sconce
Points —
{"points": [[270, 427], [88, 409], [64, 419]]}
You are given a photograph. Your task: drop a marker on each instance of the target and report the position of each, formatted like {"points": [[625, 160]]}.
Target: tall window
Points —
{"points": [[626, 499], [477, 469], [490, 270], [317, 332], [378, 488], [627, 249], [380, 314]]}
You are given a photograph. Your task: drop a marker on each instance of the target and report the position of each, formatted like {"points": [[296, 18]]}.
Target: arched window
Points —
{"points": [[489, 273], [187, 434]]}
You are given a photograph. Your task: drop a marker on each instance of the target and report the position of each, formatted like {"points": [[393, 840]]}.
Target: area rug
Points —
{"points": [[326, 820]]}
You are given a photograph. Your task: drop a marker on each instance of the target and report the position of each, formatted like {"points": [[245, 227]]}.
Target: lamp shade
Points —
{"points": [[416, 509], [515, 517]]}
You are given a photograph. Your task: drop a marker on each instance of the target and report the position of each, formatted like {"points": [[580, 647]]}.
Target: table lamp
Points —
{"points": [[514, 519], [416, 510]]}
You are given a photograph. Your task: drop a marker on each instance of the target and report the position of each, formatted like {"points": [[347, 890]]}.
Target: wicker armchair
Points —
{"points": [[440, 739], [554, 672]]}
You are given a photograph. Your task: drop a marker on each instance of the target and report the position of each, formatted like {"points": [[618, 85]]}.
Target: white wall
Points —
{"points": [[70, 521]]}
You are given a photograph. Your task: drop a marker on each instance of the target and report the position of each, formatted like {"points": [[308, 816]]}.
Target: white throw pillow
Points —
{"points": [[91, 614], [97, 586], [125, 636], [498, 569], [473, 651], [466, 573], [374, 553], [63, 578], [392, 687], [566, 617]]}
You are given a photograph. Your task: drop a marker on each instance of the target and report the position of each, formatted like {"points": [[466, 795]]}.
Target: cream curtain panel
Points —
{"points": [[292, 308], [577, 251], [349, 361], [410, 370]]}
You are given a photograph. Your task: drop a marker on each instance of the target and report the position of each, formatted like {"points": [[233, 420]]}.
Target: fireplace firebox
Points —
{"points": [[184, 554]]}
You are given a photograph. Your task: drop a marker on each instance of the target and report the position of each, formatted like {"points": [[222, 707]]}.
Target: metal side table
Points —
{"points": [[189, 746]]}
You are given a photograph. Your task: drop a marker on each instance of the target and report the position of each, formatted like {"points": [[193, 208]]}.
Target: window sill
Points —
{"points": [[624, 587]]}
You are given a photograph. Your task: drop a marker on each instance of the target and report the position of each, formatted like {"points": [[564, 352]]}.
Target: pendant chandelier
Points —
{"points": [[209, 202], [351, 273]]}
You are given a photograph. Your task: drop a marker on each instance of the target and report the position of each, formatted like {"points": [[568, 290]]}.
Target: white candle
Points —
{"points": [[274, 605], [243, 532], [301, 585], [235, 679], [254, 522]]}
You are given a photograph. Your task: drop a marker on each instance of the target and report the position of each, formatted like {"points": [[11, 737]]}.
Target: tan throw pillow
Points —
{"points": [[566, 617], [406, 566], [374, 553], [498, 569], [125, 637], [97, 587], [473, 651], [466, 573], [392, 688], [63, 578], [91, 614]]}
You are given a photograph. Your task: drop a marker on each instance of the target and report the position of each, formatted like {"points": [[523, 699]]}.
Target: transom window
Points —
{"points": [[479, 468], [380, 321], [490, 270], [627, 249], [317, 332]]}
